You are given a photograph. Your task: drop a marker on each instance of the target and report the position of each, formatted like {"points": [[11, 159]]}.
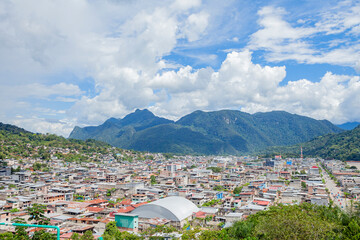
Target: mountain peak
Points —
{"points": [[143, 110], [218, 132], [142, 114]]}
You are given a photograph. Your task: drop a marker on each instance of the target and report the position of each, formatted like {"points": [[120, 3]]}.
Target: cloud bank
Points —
{"points": [[66, 63]]}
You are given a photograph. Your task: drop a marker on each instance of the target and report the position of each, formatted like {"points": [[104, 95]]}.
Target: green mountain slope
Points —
{"points": [[218, 132], [16, 142], [251, 132], [349, 125], [120, 132], [179, 139], [342, 146]]}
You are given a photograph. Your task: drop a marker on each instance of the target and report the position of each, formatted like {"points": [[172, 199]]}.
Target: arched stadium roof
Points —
{"points": [[172, 208]]}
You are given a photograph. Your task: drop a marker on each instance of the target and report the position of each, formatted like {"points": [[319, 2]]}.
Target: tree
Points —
{"points": [[215, 169], [113, 233], [36, 213], [42, 235], [153, 180], [6, 236], [304, 221], [88, 235], [211, 234], [2, 155], [75, 236], [36, 166], [352, 231], [20, 232], [218, 188], [190, 234], [346, 194], [237, 190]]}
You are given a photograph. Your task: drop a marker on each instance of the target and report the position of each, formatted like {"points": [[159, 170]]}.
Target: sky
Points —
{"points": [[66, 63]]}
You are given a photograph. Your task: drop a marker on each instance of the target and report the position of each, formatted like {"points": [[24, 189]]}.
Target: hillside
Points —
{"points": [[120, 132], [343, 146], [349, 125], [16, 142], [218, 132]]}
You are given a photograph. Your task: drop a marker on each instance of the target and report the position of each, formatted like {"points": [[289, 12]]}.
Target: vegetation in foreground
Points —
{"points": [[304, 221]]}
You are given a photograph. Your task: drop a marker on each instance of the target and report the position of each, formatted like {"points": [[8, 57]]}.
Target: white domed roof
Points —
{"points": [[172, 208]]}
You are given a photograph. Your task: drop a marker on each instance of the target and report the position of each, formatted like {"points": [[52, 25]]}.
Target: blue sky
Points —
{"points": [[68, 63]]}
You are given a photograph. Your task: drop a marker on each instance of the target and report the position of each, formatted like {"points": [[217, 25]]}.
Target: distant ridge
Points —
{"points": [[217, 132], [349, 125], [342, 146]]}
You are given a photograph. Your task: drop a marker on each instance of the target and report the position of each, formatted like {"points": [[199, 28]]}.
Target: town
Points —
{"points": [[146, 191]]}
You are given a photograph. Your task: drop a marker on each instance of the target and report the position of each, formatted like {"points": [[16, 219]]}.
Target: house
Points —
{"points": [[251, 209], [111, 177], [233, 217], [198, 199], [138, 198]]}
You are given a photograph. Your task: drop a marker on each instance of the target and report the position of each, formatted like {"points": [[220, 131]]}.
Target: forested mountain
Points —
{"points": [[342, 146], [218, 132], [349, 125]]}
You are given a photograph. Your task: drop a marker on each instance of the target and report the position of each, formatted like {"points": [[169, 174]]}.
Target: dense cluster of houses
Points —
{"points": [[218, 190]]}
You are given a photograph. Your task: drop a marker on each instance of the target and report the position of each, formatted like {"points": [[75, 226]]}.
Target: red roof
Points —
{"points": [[247, 193], [262, 203], [200, 214], [35, 229], [126, 209], [66, 235], [96, 201], [126, 202], [139, 204], [95, 209], [314, 167]]}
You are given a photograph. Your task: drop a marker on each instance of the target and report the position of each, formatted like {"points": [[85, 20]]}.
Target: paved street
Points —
{"points": [[335, 192]]}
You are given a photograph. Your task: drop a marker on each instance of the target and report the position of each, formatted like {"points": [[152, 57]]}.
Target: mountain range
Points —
{"points": [[217, 132]]}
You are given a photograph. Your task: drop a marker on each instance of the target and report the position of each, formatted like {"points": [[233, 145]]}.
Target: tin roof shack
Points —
{"points": [[251, 209], [290, 196], [145, 223], [320, 199], [233, 217]]}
